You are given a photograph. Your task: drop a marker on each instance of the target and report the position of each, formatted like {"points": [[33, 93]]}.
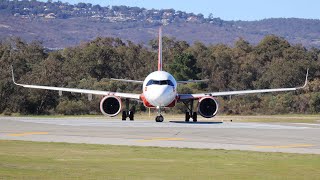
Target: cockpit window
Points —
{"points": [[149, 82], [162, 82]]}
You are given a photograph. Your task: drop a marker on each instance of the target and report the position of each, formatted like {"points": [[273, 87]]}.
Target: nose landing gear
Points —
{"points": [[159, 118]]}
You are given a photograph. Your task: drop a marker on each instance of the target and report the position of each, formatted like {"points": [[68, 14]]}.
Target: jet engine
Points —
{"points": [[208, 107], [110, 105]]}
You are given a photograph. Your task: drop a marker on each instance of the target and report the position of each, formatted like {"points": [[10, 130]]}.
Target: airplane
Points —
{"points": [[159, 91]]}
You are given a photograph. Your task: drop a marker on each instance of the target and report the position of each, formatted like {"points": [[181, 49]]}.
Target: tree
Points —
{"points": [[184, 67], [271, 47], [273, 63], [210, 17]]}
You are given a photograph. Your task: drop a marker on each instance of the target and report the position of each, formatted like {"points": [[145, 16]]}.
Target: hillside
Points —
{"points": [[60, 25]]}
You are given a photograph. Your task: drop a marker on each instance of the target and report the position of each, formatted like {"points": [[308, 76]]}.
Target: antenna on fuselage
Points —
{"points": [[160, 50]]}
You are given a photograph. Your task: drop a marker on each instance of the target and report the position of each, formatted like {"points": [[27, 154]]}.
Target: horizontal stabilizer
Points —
{"points": [[192, 81], [127, 80]]}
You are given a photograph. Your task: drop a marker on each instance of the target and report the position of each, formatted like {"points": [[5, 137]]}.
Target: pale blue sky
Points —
{"points": [[227, 9]]}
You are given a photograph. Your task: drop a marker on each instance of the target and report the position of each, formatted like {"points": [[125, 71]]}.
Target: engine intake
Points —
{"points": [[110, 106], [208, 107]]}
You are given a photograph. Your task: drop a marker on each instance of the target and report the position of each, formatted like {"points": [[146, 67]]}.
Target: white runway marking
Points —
{"points": [[309, 124]]}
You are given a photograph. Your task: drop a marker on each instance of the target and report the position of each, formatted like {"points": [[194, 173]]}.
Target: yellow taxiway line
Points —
{"points": [[28, 133], [160, 139]]}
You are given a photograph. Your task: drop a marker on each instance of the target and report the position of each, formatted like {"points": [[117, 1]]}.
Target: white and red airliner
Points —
{"points": [[159, 91]]}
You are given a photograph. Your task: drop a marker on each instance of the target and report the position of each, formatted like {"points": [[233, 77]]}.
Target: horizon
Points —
{"points": [[229, 10]]}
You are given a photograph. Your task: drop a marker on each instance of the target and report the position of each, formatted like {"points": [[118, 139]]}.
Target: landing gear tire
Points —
{"points": [[131, 115], [159, 118], [124, 115], [187, 117], [195, 117]]}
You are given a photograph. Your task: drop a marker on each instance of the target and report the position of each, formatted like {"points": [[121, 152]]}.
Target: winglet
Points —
{"points": [[160, 50], [13, 75], [306, 81]]}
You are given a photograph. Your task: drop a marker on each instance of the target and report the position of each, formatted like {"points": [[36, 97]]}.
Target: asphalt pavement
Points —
{"points": [[265, 137]]}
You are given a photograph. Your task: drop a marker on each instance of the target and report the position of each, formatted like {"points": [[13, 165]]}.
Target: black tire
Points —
{"points": [[160, 119], [187, 117], [131, 115], [195, 117], [124, 115]]}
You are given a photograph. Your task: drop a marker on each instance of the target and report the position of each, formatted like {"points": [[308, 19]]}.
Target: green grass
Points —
{"points": [[35, 160]]}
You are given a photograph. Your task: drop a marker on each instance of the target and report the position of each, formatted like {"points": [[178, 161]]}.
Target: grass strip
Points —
{"points": [[39, 160]]}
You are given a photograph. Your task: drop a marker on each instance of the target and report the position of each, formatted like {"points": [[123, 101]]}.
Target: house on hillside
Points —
{"points": [[50, 16]]}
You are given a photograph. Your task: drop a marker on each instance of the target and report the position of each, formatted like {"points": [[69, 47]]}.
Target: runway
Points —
{"points": [[265, 137]]}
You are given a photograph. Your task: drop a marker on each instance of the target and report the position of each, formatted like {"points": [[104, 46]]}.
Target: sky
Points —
{"points": [[246, 10]]}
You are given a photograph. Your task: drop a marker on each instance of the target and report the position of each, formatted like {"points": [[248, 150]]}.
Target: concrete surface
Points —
{"points": [[266, 137]]}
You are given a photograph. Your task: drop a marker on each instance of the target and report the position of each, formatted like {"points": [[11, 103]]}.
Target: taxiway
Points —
{"points": [[266, 137]]}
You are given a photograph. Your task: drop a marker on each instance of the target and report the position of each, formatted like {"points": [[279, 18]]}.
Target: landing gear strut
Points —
{"points": [[159, 118], [190, 113], [128, 113], [124, 115]]}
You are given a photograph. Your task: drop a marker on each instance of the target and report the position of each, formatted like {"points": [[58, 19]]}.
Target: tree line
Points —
{"points": [[273, 63]]}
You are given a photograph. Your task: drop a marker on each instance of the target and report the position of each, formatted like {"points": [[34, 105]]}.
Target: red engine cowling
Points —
{"points": [[208, 107], [110, 106]]}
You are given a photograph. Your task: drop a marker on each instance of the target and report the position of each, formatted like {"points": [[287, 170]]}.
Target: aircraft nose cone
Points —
{"points": [[161, 97]]}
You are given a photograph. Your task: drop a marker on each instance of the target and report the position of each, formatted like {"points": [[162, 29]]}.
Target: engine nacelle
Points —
{"points": [[208, 107], [110, 106]]}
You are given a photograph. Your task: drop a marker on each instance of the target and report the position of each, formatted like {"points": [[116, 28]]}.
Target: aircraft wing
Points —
{"points": [[84, 91], [229, 93]]}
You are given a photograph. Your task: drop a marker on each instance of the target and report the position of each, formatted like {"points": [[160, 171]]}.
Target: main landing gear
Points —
{"points": [[190, 113], [128, 112]]}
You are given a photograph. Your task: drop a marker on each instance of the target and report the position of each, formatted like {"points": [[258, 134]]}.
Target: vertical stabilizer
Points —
{"points": [[160, 50]]}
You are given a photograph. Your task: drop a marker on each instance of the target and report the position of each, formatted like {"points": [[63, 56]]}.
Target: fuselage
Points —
{"points": [[159, 89]]}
